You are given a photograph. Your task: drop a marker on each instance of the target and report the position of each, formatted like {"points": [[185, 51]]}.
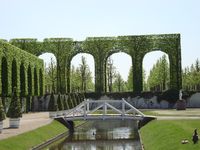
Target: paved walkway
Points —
{"points": [[28, 122]]}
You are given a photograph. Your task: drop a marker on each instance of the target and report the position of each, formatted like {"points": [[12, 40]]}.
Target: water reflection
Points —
{"points": [[102, 135]]}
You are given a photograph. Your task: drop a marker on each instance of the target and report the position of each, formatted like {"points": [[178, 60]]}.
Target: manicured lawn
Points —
{"points": [[168, 134], [29, 139]]}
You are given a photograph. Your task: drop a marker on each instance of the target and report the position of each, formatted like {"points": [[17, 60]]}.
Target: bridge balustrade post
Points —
{"points": [[104, 110], [123, 109], [85, 103], [88, 105]]}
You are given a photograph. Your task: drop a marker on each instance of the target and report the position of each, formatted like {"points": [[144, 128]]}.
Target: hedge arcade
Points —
{"points": [[25, 71]]}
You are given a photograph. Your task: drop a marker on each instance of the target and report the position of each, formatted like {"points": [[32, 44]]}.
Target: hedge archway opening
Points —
{"points": [[157, 72], [50, 72], [118, 66], [85, 78]]}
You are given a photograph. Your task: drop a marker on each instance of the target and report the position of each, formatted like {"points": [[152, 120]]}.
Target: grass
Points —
{"points": [[29, 139], [151, 113], [168, 134]]}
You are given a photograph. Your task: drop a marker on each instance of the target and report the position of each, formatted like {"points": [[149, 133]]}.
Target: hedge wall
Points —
{"points": [[19, 68]]}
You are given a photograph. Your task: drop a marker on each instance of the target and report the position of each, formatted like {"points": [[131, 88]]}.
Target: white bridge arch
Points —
{"points": [[102, 110]]}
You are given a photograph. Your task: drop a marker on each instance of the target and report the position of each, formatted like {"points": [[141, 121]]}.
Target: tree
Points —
{"points": [[130, 80], [191, 77], [84, 71], [158, 79], [111, 73], [119, 84], [53, 106], [81, 77], [50, 76], [14, 110], [60, 102]]}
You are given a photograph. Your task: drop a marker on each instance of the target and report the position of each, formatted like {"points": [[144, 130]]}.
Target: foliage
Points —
{"points": [[119, 84], [28, 103], [158, 79], [74, 100], [65, 104], [2, 113], [14, 110], [168, 134], [101, 48], [110, 74], [191, 77], [50, 77], [81, 77], [12, 58], [70, 101], [53, 106], [60, 102]]}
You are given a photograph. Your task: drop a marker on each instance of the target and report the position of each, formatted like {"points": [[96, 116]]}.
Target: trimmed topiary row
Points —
{"points": [[20, 69], [65, 102]]}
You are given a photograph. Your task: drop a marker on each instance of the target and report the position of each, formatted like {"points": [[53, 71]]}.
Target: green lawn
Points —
{"points": [[168, 134], [29, 139]]}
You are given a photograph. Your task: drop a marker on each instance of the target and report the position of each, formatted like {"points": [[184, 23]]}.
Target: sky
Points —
{"points": [[79, 19]]}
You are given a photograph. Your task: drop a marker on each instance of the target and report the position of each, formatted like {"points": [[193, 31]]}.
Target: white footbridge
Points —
{"points": [[103, 110]]}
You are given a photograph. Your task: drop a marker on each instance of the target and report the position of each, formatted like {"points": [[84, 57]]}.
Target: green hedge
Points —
{"points": [[15, 64]]}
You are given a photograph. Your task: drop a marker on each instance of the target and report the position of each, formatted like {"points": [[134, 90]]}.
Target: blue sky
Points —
{"points": [[79, 19]]}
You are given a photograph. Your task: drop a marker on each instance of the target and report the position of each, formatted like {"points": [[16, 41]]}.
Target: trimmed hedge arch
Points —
{"points": [[14, 70], [100, 48]]}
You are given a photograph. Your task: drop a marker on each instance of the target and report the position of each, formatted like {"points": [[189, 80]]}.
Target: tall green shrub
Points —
{"points": [[70, 101], [60, 102], [14, 110], [52, 103], [2, 113], [66, 106]]}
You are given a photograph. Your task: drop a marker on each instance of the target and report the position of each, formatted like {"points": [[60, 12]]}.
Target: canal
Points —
{"points": [[102, 135]]}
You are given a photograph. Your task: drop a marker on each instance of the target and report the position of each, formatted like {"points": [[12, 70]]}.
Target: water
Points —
{"points": [[102, 135]]}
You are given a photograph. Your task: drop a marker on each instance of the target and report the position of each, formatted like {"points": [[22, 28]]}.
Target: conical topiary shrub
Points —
{"points": [[52, 107], [82, 96], [2, 115], [78, 98], [74, 100], [14, 111], [65, 104], [69, 101], [60, 105]]}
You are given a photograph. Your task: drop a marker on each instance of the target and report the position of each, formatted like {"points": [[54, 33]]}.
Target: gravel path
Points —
{"points": [[28, 122]]}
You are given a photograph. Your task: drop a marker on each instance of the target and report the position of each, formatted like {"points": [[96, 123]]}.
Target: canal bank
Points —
{"points": [[29, 139], [114, 134]]}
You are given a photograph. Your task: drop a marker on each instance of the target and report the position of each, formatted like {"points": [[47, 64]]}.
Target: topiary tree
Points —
{"points": [[70, 101], [66, 106], [2, 113], [14, 110], [52, 103], [60, 103], [74, 100], [82, 96]]}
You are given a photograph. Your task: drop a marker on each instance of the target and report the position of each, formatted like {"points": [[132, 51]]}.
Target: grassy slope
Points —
{"points": [[32, 138], [167, 135]]}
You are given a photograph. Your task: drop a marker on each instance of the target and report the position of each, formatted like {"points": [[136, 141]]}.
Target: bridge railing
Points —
{"points": [[104, 108]]}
